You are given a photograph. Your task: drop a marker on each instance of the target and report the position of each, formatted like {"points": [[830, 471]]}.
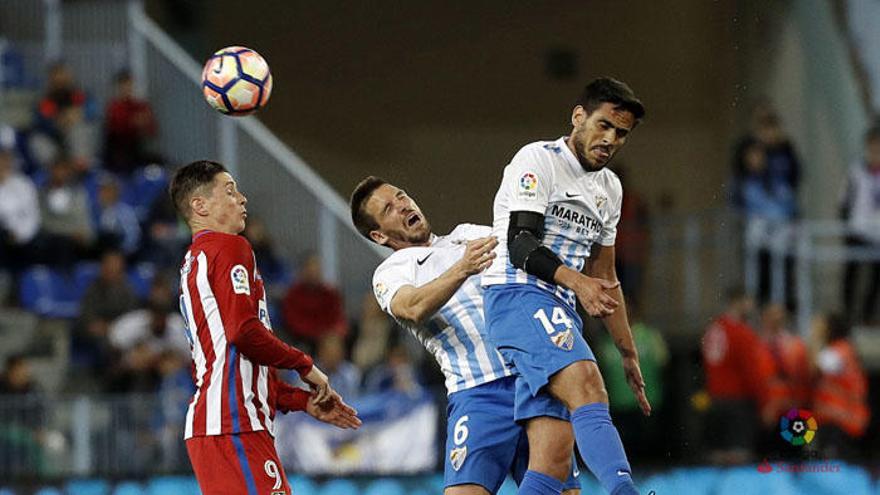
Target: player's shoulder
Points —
{"points": [[611, 181], [464, 232], [224, 245], [540, 148], [399, 260]]}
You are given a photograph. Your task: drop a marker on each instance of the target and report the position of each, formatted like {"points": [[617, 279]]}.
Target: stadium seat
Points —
{"points": [[339, 487], [129, 488], [6, 491], [48, 293], [179, 485], [145, 185], [87, 487], [508, 487], [141, 278], [48, 490], [84, 273], [385, 486]]}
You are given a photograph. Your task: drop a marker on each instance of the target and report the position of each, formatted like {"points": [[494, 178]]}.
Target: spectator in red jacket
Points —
{"points": [[739, 376], [790, 356], [313, 308], [129, 126]]}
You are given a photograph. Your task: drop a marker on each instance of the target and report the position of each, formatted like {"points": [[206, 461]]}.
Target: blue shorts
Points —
{"points": [[483, 441], [539, 335]]}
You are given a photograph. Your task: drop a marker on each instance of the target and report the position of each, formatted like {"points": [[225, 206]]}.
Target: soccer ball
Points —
{"points": [[236, 81]]}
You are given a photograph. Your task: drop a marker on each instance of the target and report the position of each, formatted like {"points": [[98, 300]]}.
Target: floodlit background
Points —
{"points": [[757, 167]]}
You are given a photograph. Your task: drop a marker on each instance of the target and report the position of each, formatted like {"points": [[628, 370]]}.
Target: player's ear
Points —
{"points": [[578, 116], [378, 237], [199, 205]]}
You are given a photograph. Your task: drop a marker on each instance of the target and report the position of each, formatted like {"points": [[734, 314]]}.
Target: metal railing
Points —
{"points": [[124, 435]]}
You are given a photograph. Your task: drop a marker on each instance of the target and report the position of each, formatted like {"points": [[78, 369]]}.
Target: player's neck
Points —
{"points": [[197, 226]]}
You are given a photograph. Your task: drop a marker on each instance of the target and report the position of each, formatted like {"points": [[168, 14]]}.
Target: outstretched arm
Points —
{"points": [[417, 304]]}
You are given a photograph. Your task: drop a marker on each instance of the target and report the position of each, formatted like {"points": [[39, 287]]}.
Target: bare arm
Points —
{"points": [[417, 304], [601, 266]]}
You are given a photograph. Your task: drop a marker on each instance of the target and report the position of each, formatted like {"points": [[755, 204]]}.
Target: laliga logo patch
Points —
{"points": [[457, 456], [563, 340], [240, 284], [528, 183]]}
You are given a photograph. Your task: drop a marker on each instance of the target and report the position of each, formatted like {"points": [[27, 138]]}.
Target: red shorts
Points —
{"points": [[246, 463]]}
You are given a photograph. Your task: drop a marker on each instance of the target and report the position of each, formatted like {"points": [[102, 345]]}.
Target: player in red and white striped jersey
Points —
{"points": [[229, 424]]}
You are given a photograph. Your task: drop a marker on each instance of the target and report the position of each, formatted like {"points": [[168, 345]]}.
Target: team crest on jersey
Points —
{"points": [[240, 282], [600, 202], [528, 184], [457, 456], [563, 340]]}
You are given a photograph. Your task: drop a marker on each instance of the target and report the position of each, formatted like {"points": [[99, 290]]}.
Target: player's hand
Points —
{"points": [[335, 412], [478, 255], [636, 383], [593, 295], [320, 385]]}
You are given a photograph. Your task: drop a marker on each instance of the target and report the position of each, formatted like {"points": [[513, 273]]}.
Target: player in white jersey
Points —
{"points": [[557, 211], [431, 285]]}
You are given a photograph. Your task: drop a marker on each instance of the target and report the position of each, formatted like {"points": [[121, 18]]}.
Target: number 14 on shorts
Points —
{"points": [[558, 327]]}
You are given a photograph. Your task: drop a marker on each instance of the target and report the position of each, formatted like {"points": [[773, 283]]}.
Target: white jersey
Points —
{"points": [[580, 208], [456, 334]]}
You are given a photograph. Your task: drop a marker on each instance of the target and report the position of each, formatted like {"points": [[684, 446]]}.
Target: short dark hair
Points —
{"points": [[363, 222], [735, 293], [187, 179], [609, 90]]}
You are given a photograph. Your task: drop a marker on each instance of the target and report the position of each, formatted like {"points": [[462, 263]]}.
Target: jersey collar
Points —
{"points": [[569, 156]]}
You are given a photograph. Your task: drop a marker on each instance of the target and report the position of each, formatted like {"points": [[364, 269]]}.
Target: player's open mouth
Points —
{"points": [[413, 219], [601, 152]]}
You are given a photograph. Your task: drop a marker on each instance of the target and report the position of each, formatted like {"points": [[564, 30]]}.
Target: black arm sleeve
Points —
{"points": [[524, 234]]}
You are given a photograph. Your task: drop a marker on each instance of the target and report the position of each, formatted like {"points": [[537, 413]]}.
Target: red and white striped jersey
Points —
{"points": [[235, 353]]}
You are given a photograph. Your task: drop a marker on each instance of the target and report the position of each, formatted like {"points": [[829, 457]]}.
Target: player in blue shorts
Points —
{"points": [[431, 285], [556, 203]]}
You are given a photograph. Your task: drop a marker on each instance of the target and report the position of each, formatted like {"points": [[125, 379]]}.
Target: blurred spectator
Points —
{"points": [[109, 297], [769, 206], [330, 357], [165, 239], [118, 226], [158, 325], [840, 399], [61, 120], [374, 330], [790, 357], [17, 378], [860, 208], [19, 206], [67, 234], [272, 267], [129, 125], [640, 435], [312, 308], [631, 251], [783, 167], [738, 370], [134, 372], [396, 373]]}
